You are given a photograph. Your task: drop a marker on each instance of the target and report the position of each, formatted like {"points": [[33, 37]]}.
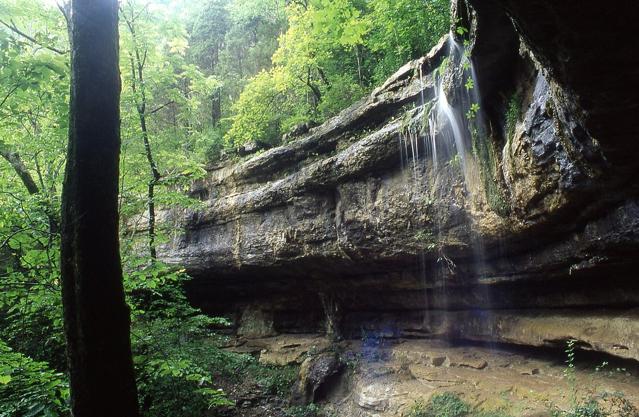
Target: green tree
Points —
{"points": [[332, 53], [33, 121], [163, 89], [402, 30], [293, 91]]}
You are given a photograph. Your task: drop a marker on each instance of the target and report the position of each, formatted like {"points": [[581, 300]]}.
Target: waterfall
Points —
{"points": [[448, 130]]}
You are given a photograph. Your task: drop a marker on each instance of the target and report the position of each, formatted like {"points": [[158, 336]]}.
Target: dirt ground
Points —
{"points": [[384, 378]]}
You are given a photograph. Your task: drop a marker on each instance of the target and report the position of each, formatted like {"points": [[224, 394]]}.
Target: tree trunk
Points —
{"points": [[96, 317], [154, 173], [137, 78], [16, 163], [151, 203], [216, 107]]}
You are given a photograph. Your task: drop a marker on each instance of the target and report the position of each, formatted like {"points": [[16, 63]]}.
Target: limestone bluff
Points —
{"points": [[332, 215]]}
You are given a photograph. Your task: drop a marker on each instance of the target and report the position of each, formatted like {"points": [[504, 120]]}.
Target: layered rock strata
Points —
{"points": [[540, 247]]}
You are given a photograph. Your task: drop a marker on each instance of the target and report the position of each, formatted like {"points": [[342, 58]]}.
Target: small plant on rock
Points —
{"points": [[569, 371], [606, 404], [311, 410], [447, 404], [512, 114]]}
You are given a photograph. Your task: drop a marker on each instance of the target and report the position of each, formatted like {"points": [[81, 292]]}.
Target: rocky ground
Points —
{"points": [[385, 378]]}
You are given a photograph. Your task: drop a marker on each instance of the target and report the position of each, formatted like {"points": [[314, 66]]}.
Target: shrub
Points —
{"points": [[311, 410], [275, 380], [587, 409], [512, 114], [30, 388], [447, 404]]}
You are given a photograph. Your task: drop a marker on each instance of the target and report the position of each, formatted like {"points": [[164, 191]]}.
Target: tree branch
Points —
{"points": [[12, 27], [157, 109], [6, 97], [18, 166]]}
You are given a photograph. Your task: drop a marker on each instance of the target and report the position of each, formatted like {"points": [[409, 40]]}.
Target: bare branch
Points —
{"points": [[4, 100], [157, 109]]}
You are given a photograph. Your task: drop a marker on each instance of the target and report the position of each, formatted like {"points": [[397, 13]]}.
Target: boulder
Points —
{"points": [[314, 372]]}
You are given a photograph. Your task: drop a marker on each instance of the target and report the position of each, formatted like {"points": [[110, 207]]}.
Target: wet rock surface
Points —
{"points": [[594, 71]]}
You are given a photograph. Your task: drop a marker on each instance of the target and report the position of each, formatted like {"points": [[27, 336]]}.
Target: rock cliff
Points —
{"points": [[531, 237]]}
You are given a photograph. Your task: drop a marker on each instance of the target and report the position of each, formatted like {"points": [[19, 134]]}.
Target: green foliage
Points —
{"points": [[169, 344], [213, 138], [474, 108], [33, 121], [255, 118], [30, 388], [449, 404], [619, 405], [332, 53], [512, 114], [311, 410], [234, 41], [425, 237], [484, 151], [470, 84], [296, 89], [446, 405], [171, 94], [418, 409], [30, 306], [496, 199], [275, 380], [569, 371], [461, 30], [588, 409], [607, 404], [402, 30], [178, 360]]}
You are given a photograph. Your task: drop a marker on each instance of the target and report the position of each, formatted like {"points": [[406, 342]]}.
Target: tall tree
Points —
{"points": [[138, 59], [95, 313]]}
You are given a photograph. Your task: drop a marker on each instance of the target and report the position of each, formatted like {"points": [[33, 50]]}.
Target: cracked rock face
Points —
{"points": [[546, 237]]}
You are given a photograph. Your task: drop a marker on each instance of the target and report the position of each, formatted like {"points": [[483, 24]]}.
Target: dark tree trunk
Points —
{"points": [[96, 317], [151, 203], [154, 173], [216, 107]]}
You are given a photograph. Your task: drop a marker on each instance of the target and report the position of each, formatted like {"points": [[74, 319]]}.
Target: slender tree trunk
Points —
{"points": [[138, 60], [18, 166], [155, 176], [151, 196], [16, 162], [216, 107], [359, 66], [96, 317], [317, 94]]}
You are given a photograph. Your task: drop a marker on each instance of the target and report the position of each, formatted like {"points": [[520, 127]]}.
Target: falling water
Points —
{"points": [[453, 119]]}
